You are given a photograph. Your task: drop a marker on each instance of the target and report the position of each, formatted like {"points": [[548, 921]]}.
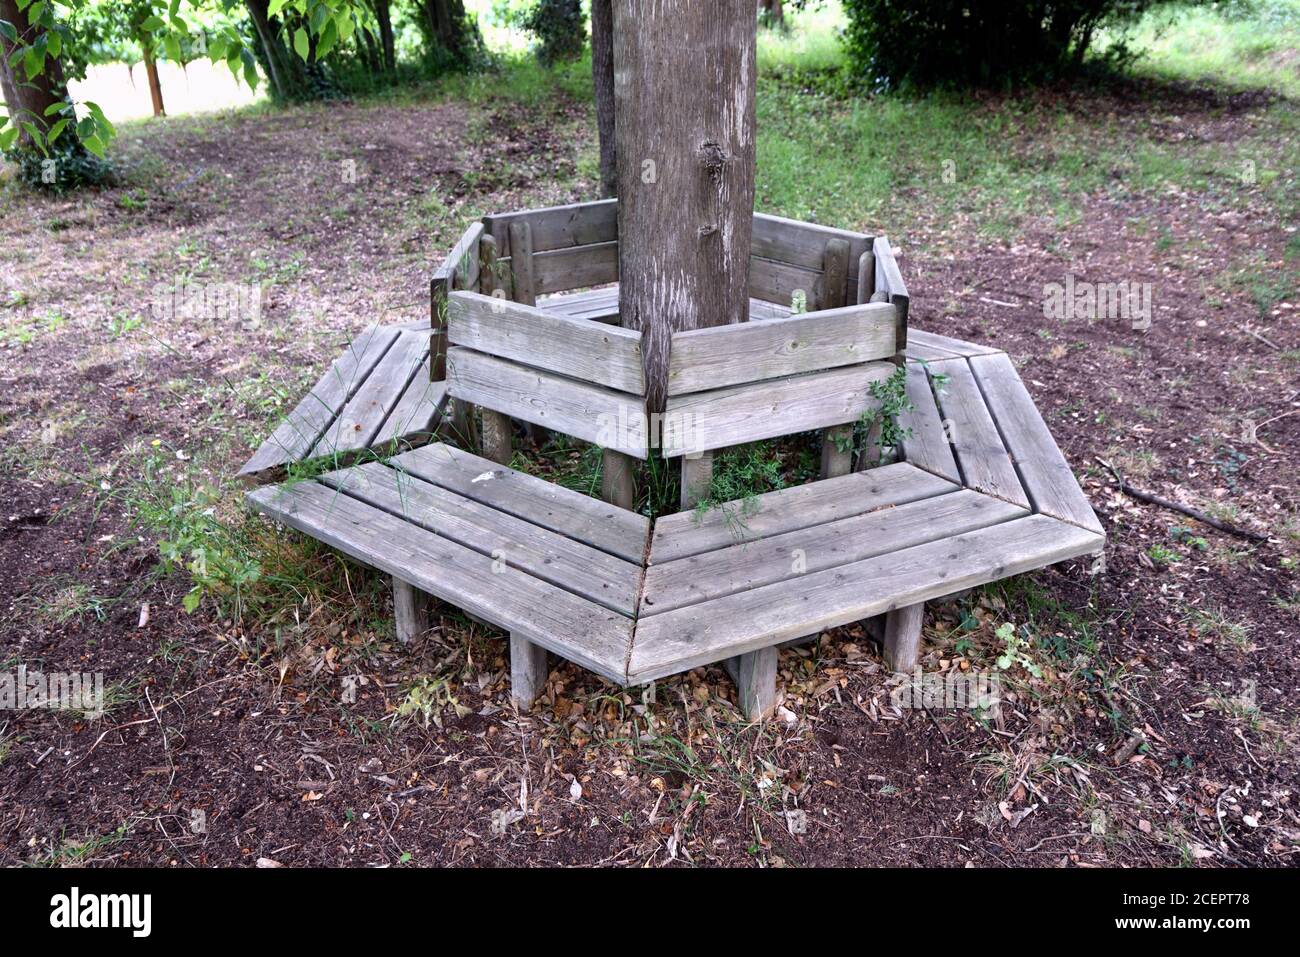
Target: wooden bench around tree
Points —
{"points": [[980, 491]]}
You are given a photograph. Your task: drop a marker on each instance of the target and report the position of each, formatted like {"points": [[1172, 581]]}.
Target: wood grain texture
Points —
{"points": [[579, 630], [559, 227], [295, 436], [606, 527], [608, 418], [575, 566], [523, 271], [773, 513], [529, 670], [463, 260], [739, 567], [600, 354], [410, 611], [699, 634], [1044, 472], [902, 638], [926, 443], [754, 351], [985, 464], [947, 344], [361, 418], [746, 413], [417, 414]]}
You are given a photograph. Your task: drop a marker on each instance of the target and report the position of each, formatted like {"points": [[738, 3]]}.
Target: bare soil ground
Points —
{"points": [[1150, 714]]}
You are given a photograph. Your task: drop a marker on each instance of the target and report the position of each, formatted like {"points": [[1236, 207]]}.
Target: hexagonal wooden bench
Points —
{"points": [[982, 491]]}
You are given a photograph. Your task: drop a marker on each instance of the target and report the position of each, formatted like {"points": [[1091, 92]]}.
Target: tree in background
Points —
{"points": [[560, 27], [771, 13], [965, 43]]}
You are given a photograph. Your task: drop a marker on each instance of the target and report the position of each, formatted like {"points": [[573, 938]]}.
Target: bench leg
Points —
{"points": [[498, 438], [410, 610], [462, 424], [837, 461], [616, 484], [697, 479], [755, 677], [902, 639], [528, 671]]}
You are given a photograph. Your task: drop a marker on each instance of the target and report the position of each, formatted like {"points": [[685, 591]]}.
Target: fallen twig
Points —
{"points": [[1187, 510]]}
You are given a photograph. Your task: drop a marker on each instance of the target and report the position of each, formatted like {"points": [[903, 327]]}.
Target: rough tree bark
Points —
{"points": [[684, 95], [155, 85], [602, 73], [384, 16], [29, 99]]}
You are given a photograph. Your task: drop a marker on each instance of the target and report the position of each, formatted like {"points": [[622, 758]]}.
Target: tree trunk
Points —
{"points": [[602, 74], [383, 13], [155, 87], [775, 12], [684, 95], [27, 100], [283, 66]]}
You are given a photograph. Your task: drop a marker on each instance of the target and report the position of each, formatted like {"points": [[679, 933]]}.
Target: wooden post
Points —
{"points": [[866, 277], [410, 611], [684, 80], [497, 438], [697, 479], [528, 671], [835, 275], [755, 676], [902, 642], [616, 480], [521, 263], [837, 451]]}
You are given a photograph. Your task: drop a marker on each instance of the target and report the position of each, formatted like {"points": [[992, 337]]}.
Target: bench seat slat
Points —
{"points": [[925, 444], [360, 420], [741, 567], [746, 621], [579, 630]]}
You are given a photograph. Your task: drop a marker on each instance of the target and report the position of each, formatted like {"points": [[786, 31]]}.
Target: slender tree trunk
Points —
{"points": [[27, 100], [286, 73], [602, 74], [684, 93], [155, 87], [383, 13]]}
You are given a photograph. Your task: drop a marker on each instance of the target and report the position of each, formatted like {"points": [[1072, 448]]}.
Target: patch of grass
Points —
{"points": [[740, 475], [63, 600], [1215, 623], [77, 853]]}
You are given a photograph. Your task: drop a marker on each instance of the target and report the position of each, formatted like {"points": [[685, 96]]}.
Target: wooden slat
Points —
{"points": [[746, 413], [601, 305], [563, 269], [740, 567], [776, 282], [890, 280], [1045, 473], [360, 420], [926, 446], [985, 464], [605, 355], [573, 627], [773, 513], [559, 227], [599, 524], [294, 437], [752, 351], [763, 310], [614, 420], [463, 260], [954, 347], [523, 272], [804, 244], [699, 634], [417, 414], [576, 567]]}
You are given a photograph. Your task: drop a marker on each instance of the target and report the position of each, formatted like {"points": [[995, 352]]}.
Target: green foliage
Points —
{"points": [[975, 43], [61, 165], [891, 393], [740, 475], [560, 27]]}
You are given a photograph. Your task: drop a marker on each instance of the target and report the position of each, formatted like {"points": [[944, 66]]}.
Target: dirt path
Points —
{"points": [[294, 735]]}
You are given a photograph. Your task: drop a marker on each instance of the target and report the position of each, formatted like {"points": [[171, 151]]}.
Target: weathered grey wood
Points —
{"points": [[699, 634], [902, 641], [1045, 473], [926, 442], [494, 278], [463, 260], [410, 611], [497, 436], [580, 517], [890, 279], [522, 276], [947, 346], [984, 462], [464, 423], [576, 567], [601, 305], [604, 355], [611, 419], [755, 676], [295, 436], [837, 451], [776, 282], [746, 413], [684, 231], [417, 414], [617, 479], [564, 269], [802, 506], [579, 630], [804, 244], [762, 310], [528, 671], [752, 351], [738, 567], [559, 227], [835, 275], [866, 277], [697, 478], [439, 287], [359, 421]]}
